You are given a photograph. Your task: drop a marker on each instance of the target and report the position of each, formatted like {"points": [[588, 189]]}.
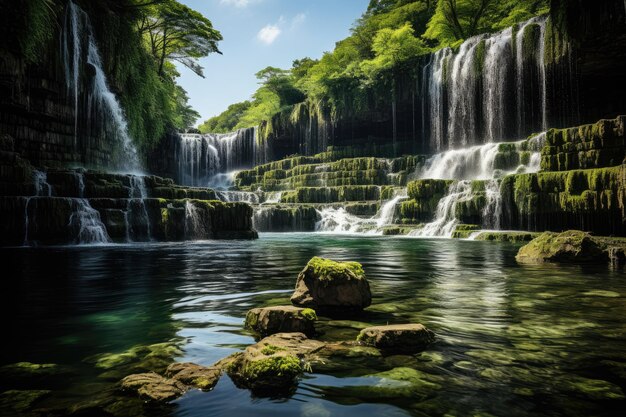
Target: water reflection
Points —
{"points": [[511, 340]]}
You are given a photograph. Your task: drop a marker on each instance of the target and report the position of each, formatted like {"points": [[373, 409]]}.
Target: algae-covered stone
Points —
{"points": [[330, 286], [572, 246], [407, 338], [281, 319], [153, 387], [271, 366], [191, 374]]}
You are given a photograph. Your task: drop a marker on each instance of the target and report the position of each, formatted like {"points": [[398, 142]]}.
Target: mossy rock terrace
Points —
{"points": [[592, 200], [597, 145], [299, 172], [46, 207]]}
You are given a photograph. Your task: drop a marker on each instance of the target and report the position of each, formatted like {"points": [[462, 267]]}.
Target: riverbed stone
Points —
{"points": [[572, 246], [153, 387], [281, 319], [405, 338], [191, 374], [332, 287]]}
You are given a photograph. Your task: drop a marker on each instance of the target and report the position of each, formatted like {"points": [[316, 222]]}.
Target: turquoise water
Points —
{"points": [[512, 340]]}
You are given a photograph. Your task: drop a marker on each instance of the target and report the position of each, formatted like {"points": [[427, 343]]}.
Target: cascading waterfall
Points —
{"points": [[203, 158], [136, 207], [42, 188], [445, 216], [387, 211], [94, 102], [87, 223], [477, 163], [193, 224], [490, 89]]}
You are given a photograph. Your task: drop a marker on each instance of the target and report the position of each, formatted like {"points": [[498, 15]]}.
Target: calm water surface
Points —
{"points": [[512, 340]]}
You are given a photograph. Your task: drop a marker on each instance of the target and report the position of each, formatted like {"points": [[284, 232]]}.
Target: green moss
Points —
{"points": [[269, 350], [274, 366], [309, 314], [328, 270]]}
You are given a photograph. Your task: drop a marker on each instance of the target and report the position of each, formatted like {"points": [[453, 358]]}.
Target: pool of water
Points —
{"points": [[511, 340]]}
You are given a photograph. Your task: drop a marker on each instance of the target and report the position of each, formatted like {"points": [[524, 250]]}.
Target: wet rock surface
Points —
{"points": [[405, 338], [279, 319]]}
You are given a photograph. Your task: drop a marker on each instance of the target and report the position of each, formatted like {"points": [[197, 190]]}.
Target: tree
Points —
{"points": [[391, 48], [456, 20], [175, 32], [227, 120]]}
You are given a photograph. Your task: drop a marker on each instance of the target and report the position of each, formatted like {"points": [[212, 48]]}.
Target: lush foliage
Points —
{"points": [[226, 121], [388, 39]]}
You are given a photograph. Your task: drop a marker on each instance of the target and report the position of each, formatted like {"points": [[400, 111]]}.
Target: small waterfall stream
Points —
{"points": [[96, 108]]}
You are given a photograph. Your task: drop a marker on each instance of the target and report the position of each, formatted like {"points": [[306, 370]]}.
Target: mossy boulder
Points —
{"points": [[332, 287], [572, 246], [153, 387], [397, 338], [272, 366], [281, 319]]}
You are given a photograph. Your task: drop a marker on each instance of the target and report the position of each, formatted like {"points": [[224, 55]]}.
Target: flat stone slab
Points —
{"points": [[401, 338], [281, 319], [153, 387]]}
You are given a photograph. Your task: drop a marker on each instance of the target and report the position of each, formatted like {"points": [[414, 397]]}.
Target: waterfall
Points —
{"points": [[87, 223], [387, 211], [479, 162], [80, 55], [203, 158], [80, 178], [338, 220], [239, 197], [136, 199], [445, 216], [42, 188], [193, 223], [479, 93], [493, 209]]}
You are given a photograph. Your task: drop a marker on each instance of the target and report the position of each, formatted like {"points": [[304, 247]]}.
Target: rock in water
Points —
{"points": [[272, 366], [281, 319], [400, 338], [191, 374], [572, 246], [332, 287], [153, 387]]}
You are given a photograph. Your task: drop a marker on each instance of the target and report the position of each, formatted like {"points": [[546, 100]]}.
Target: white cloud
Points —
{"points": [[298, 20], [268, 34], [238, 3]]}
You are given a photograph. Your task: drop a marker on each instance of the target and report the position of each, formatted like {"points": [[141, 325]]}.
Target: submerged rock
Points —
{"points": [[153, 387], [19, 401], [281, 319], [332, 287], [191, 374], [405, 338], [572, 246]]}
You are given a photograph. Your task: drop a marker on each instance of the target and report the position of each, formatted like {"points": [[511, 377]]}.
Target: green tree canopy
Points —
{"points": [[175, 32]]}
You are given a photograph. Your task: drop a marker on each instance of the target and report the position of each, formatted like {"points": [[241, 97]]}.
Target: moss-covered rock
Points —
{"points": [[332, 287], [570, 247], [271, 366], [404, 338], [281, 319]]}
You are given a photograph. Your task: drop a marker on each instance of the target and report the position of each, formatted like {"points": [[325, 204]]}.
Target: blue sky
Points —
{"points": [[259, 33]]}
